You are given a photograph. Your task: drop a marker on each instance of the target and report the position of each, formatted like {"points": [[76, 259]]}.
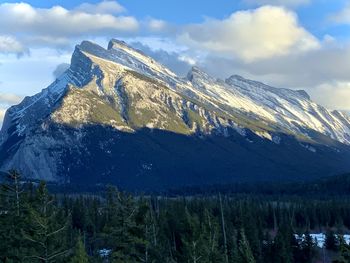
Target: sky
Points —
{"points": [[297, 44]]}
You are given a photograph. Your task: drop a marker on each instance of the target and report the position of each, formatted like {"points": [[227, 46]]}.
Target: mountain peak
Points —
{"points": [[303, 93], [197, 73], [237, 80], [197, 70], [236, 77], [110, 96], [115, 43], [89, 47]]}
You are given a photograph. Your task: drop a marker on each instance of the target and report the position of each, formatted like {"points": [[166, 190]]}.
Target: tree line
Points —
{"points": [[36, 226]]}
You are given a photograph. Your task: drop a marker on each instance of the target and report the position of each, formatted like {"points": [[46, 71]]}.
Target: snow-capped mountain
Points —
{"points": [[110, 95]]}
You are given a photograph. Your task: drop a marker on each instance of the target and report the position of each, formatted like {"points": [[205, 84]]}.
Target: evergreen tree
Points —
{"points": [[344, 250], [79, 255], [124, 230], [13, 190], [12, 218], [331, 241], [282, 247], [210, 235], [308, 248], [223, 226], [244, 250], [45, 232], [268, 248], [37, 227], [192, 239]]}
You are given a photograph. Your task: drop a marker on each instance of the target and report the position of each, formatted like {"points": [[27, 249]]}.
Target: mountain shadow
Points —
{"points": [[157, 159]]}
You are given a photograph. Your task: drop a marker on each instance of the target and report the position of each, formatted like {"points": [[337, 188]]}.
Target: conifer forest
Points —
{"points": [[116, 226]]}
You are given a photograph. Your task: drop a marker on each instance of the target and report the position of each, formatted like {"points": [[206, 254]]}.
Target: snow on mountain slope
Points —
{"points": [[294, 109], [33, 109], [287, 109], [240, 103], [120, 91]]}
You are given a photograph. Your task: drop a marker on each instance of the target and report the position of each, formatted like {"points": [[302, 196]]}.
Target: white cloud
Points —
{"points": [[59, 23], [2, 115], [104, 7], [6, 100], [9, 99], [189, 60], [9, 45], [156, 25], [251, 35], [342, 17], [289, 3]]}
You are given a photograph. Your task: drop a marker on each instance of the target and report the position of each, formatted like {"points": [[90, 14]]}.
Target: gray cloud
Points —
{"points": [[334, 95], [307, 69], [173, 60], [324, 73], [10, 45], [60, 69]]}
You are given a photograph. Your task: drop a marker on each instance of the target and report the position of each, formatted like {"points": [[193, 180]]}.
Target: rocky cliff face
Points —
{"points": [[110, 95]]}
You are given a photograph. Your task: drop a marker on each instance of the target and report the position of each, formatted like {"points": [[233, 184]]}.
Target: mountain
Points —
{"points": [[118, 116], [347, 112]]}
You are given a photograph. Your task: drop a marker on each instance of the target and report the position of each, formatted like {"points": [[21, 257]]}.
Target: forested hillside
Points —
{"points": [[332, 185]]}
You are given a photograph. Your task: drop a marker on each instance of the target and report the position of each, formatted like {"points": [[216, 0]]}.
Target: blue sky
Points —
{"points": [[298, 44]]}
